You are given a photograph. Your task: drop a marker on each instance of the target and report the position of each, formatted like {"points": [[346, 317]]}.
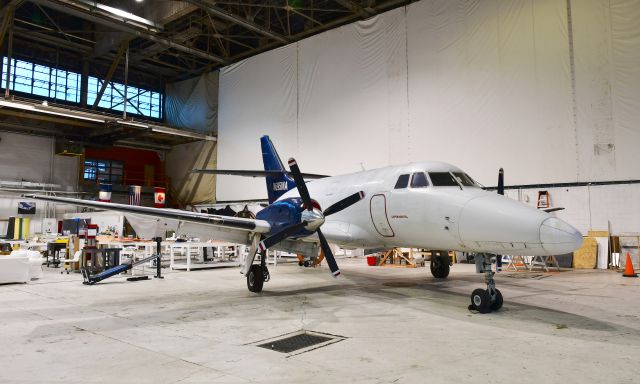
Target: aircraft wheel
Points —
{"points": [[480, 301], [497, 302], [440, 266], [255, 278]]}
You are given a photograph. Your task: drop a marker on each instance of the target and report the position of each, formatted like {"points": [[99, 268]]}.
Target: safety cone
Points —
{"points": [[628, 268]]}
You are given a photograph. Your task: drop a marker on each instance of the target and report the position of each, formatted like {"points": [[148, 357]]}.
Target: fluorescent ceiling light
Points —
{"points": [[178, 132], [131, 123], [122, 14], [48, 111]]}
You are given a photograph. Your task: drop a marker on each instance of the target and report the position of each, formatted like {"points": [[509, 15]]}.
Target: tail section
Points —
{"points": [[278, 184]]}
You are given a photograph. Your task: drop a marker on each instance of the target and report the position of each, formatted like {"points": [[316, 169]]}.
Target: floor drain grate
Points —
{"points": [[302, 341]]}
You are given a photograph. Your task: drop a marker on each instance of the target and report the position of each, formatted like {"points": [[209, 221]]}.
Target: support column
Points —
{"points": [[126, 82], [84, 83], [9, 57]]}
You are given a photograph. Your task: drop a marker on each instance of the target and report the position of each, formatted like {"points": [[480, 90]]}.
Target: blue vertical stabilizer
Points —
{"points": [[277, 185]]}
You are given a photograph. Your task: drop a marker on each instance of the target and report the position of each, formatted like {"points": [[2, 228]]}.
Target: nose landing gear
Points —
{"points": [[490, 299]]}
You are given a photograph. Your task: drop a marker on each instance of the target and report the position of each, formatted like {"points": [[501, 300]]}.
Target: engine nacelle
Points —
{"points": [[286, 212]]}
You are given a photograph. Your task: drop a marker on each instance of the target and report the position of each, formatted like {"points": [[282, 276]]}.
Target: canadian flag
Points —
{"points": [[159, 195]]}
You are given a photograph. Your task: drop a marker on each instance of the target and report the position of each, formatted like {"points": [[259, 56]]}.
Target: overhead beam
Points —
{"points": [[11, 4], [119, 133], [112, 69], [226, 15], [24, 36], [28, 34], [80, 10], [7, 20], [356, 8]]}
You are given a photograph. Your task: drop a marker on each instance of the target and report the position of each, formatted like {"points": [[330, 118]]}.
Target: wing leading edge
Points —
{"points": [[247, 225]]}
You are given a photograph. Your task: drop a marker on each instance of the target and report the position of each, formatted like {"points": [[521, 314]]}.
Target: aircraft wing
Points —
{"points": [[233, 229], [250, 173]]}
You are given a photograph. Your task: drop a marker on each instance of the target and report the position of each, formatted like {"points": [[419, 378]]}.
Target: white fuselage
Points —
{"points": [[465, 218]]}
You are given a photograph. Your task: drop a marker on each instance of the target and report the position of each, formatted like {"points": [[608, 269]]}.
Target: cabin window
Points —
{"points": [[402, 182], [419, 180], [464, 179], [443, 179]]}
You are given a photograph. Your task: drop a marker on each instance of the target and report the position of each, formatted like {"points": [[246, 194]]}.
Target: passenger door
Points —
{"points": [[378, 209]]}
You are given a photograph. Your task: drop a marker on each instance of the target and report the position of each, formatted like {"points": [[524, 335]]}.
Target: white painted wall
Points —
{"points": [[592, 207], [32, 159], [480, 84]]}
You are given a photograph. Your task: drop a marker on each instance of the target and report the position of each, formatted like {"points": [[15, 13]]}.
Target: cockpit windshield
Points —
{"points": [[465, 179], [452, 179], [443, 179]]}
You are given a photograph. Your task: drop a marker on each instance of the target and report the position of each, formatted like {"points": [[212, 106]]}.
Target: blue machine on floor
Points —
{"points": [[90, 279]]}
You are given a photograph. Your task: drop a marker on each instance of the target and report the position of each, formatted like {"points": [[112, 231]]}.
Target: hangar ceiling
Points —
{"points": [[172, 40], [164, 40]]}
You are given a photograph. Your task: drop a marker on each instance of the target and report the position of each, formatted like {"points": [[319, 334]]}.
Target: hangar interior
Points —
{"points": [[118, 102]]}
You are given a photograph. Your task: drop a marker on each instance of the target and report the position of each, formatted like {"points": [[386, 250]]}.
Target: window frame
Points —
{"points": [[426, 180], [406, 182], [102, 170], [464, 179]]}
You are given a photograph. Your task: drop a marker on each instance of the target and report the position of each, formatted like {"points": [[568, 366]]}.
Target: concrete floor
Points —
{"points": [[401, 326]]}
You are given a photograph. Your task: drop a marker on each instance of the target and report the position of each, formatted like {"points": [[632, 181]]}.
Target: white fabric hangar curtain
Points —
{"points": [[547, 89]]}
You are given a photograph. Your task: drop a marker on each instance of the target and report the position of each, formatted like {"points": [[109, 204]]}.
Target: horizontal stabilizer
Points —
{"points": [[249, 173]]}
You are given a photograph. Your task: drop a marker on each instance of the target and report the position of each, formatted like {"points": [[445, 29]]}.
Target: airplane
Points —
{"points": [[430, 205]]}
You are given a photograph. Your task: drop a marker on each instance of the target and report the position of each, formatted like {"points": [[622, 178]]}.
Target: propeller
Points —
{"points": [[312, 220], [501, 181]]}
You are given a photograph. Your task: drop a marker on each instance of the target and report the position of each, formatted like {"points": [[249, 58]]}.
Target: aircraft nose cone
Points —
{"points": [[558, 237]]}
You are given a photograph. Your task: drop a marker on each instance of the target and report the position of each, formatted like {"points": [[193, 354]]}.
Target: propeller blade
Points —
{"points": [[328, 254], [300, 184], [501, 181], [344, 203], [278, 237]]}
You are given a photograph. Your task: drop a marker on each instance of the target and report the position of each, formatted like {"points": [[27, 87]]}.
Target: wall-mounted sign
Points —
{"points": [[26, 208]]}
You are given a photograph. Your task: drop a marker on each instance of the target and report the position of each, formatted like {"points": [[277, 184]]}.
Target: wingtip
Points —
{"points": [[336, 273]]}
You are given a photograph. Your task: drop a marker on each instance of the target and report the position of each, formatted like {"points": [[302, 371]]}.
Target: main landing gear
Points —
{"points": [[258, 274], [490, 299], [440, 264]]}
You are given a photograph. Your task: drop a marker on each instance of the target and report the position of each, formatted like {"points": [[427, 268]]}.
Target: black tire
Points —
{"points": [[497, 303], [440, 266], [306, 263], [481, 300], [255, 278]]}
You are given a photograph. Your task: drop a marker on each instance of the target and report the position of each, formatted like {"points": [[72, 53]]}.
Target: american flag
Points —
{"points": [[134, 194]]}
